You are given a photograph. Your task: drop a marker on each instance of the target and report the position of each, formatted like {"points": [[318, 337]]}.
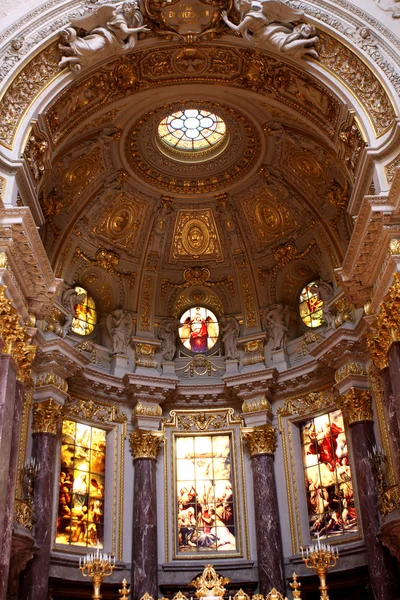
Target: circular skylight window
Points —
{"points": [[192, 130]]}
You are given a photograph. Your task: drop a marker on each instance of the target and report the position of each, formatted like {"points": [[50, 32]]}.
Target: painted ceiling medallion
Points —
{"points": [[182, 170]]}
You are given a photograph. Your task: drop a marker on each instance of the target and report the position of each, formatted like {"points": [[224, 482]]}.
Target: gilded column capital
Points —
{"points": [[46, 416], [260, 440], [145, 444], [356, 405], [386, 328]]}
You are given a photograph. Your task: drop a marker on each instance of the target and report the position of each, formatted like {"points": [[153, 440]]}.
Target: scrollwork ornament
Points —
{"points": [[356, 405], [260, 440], [47, 416], [145, 444]]}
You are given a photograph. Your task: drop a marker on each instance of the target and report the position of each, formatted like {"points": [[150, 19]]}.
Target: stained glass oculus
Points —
{"points": [[199, 329], [80, 520], [192, 130], [310, 306], [205, 498], [328, 476]]}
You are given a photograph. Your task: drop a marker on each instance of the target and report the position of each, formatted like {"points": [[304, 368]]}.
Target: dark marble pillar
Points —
{"points": [[261, 442], [392, 421], [357, 407], [11, 485], [145, 446], [394, 370], [8, 371], [35, 579]]}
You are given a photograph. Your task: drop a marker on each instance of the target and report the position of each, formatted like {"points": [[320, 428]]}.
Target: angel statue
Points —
{"points": [[71, 299], [230, 332], [167, 332], [325, 292], [111, 29], [271, 22], [120, 328], [276, 322]]}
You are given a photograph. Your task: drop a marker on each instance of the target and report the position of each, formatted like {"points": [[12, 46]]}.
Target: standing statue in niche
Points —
{"points": [[120, 328], [71, 298], [230, 332], [325, 292], [270, 22], [167, 333], [111, 29], [276, 322]]}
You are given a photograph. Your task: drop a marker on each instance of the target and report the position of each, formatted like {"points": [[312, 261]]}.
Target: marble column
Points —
{"points": [[145, 446], [5, 541], [391, 421], [356, 405], [261, 442], [394, 370], [46, 417]]}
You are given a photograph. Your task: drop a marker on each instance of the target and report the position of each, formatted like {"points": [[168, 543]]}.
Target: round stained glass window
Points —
{"points": [[198, 329], [310, 306], [192, 130]]}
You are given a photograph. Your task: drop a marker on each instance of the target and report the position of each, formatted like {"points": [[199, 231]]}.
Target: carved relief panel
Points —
{"points": [[196, 236], [120, 222]]}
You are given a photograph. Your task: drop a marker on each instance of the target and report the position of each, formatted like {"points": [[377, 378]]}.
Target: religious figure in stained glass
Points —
{"points": [[205, 503], [199, 329], [85, 313], [311, 306], [328, 477], [80, 520]]}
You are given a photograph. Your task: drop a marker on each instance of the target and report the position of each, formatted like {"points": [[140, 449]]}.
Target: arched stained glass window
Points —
{"points": [[310, 306], [199, 329], [80, 520], [85, 314], [192, 130], [328, 477]]}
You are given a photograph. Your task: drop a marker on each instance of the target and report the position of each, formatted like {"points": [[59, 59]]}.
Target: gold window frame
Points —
{"points": [[220, 422], [102, 415]]}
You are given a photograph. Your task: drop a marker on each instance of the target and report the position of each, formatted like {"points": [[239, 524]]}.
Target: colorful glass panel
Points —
{"points": [[205, 501], [191, 130], [199, 329], [85, 314], [328, 477], [311, 307], [80, 520]]}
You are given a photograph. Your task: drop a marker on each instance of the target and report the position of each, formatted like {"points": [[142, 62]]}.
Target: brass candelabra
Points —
{"points": [[320, 557], [97, 566], [30, 470]]}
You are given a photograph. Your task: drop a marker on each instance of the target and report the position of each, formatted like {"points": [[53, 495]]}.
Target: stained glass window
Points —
{"points": [[191, 130], [80, 519], [85, 314], [199, 329], [311, 306], [205, 499], [328, 477]]}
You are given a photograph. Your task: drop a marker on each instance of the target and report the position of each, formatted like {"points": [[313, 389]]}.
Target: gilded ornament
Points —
{"points": [[200, 365], [304, 163], [121, 220], [260, 440], [145, 355], [145, 444], [23, 514], [51, 379], [308, 404], [146, 596], [241, 595], [389, 500], [253, 352], [258, 405], [209, 584], [295, 586], [351, 142], [394, 247], [148, 409], [196, 236], [386, 327], [145, 323], [76, 175], [287, 253], [250, 310], [392, 168], [351, 367], [356, 405], [88, 409], [108, 260], [124, 591], [190, 61], [35, 154], [339, 196], [274, 595], [267, 216], [47, 416], [194, 277], [345, 313]]}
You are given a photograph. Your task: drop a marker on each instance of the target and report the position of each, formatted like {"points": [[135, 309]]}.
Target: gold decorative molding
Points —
{"points": [[147, 409], [285, 254], [386, 327], [351, 367], [359, 79], [256, 405], [253, 352], [108, 260], [23, 514], [249, 303], [120, 222], [51, 379], [309, 404], [200, 365], [260, 440], [389, 500], [145, 323], [209, 584], [24, 88], [356, 405], [197, 277], [391, 168], [204, 420], [75, 175], [267, 217], [196, 236], [145, 355], [145, 444], [47, 416], [86, 408]]}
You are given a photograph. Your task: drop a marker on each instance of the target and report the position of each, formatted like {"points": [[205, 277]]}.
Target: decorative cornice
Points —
{"points": [[145, 444], [260, 440], [46, 416], [356, 405]]}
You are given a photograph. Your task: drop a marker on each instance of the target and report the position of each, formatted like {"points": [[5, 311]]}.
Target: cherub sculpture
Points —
{"points": [[230, 332], [120, 328], [111, 29], [276, 322], [270, 22]]}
